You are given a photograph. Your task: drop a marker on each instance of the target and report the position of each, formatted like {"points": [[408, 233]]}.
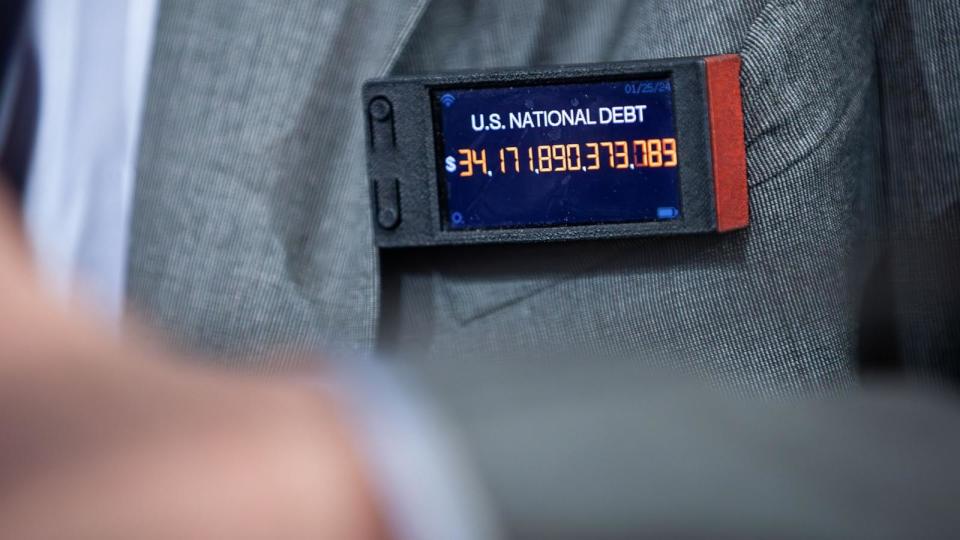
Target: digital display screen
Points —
{"points": [[551, 155]]}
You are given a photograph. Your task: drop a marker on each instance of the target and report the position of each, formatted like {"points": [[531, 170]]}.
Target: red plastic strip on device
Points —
{"points": [[727, 143]]}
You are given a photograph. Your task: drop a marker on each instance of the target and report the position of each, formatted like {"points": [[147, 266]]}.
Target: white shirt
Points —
{"points": [[94, 58]]}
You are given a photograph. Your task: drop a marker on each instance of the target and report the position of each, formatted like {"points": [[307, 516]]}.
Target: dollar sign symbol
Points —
{"points": [[451, 164]]}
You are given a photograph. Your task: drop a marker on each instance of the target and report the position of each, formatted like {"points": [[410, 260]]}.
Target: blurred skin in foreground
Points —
{"points": [[104, 437]]}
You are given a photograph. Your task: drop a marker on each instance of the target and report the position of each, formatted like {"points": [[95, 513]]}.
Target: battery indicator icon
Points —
{"points": [[667, 212]]}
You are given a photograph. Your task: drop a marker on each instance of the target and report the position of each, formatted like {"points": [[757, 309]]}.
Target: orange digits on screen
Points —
{"points": [[573, 150], [472, 159], [670, 152], [594, 155], [559, 154], [621, 155], [558, 158], [466, 162]]}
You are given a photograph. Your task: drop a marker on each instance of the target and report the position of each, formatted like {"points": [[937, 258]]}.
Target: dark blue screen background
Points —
{"points": [[526, 198]]}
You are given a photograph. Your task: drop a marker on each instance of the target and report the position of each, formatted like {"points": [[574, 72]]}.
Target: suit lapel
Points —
{"points": [[250, 224]]}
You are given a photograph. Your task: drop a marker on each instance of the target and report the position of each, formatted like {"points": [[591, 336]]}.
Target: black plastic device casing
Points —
{"points": [[404, 168]]}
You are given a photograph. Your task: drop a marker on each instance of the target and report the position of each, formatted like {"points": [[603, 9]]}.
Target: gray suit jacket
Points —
{"points": [[251, 226]]}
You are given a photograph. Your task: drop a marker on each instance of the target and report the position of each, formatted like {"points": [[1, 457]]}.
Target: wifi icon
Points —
{"points": [[447, 100]]}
